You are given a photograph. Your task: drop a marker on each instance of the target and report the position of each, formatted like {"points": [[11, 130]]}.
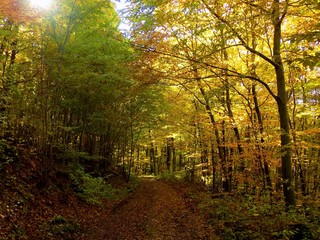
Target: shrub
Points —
{"points": [[172, 176], [92, 190], [8, 153], [133, 182], [244, 217], [168, 176], [96, 189], [61, 227]]}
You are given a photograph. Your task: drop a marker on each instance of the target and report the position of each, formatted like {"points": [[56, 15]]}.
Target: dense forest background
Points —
{"points": [[225, 93]]}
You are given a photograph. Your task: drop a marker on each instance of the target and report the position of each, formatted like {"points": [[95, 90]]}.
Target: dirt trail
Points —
{"points": [[156, 210]]}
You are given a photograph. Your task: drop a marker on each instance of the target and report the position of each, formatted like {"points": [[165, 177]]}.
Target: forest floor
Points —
{"points": [[156, 210], [148, 209]]}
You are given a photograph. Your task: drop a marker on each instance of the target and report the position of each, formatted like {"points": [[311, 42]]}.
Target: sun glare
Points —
{"points": [[44, 4]]}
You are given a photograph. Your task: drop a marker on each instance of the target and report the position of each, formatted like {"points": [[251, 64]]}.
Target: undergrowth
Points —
{"points": [[91, 189], [133, 183], [8, 153], [172, 176], [59, 227], [246, 218]]}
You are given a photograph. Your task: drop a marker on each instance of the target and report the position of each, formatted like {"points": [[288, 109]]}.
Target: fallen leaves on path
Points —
{"points": [[156, 210]]}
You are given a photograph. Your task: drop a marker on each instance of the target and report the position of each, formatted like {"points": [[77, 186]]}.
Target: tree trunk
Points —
{"points": [[221, 153], [213, 162], [286, 164], [265, 166], [169, 153], [174, 157]]}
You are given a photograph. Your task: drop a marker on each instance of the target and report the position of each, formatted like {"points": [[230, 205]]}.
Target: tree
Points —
{"points": [[184, 34]]}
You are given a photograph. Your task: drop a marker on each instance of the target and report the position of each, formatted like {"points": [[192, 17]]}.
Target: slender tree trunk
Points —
{"points": [[174, 157], [298, 164], [152, 156], [156, 161], [131, 159], [138, 165], [226, 182], [180, 160], [316, 179], [214, 167], [169, 153], [286, 164], [230, 113], [221, 153], [264, 165]]}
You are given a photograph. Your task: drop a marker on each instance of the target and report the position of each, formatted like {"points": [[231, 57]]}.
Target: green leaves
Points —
{"points": [[8, 153]]}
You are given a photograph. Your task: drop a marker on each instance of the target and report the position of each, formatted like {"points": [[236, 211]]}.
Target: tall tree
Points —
{"points": [[161, 27]]}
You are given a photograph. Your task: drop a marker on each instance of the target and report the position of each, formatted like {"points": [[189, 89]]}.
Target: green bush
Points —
{"points": [[61, 227], [96, 189], [133, 182], [168, 176], [74, 155], [8, 153], [244, 217], [92, 190], [172, 176]]}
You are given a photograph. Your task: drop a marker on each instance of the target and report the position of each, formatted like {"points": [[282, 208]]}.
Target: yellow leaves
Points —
{"points": [[311, 131]]}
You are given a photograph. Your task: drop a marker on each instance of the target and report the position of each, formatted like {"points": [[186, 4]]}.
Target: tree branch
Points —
{"points": [[229, 72], [243, 42]]}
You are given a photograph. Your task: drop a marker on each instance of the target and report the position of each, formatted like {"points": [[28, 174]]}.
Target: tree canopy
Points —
{"points": [[222, 93], [226, 91]]}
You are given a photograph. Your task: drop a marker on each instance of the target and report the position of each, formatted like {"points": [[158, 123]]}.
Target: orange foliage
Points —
{"points": [[17, 10]]}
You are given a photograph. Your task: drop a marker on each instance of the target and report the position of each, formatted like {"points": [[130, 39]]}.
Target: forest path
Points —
{"points": [[155, 211]]}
